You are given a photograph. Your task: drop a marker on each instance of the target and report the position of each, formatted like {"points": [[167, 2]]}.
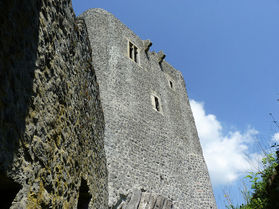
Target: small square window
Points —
{"points": [[133, 52]]}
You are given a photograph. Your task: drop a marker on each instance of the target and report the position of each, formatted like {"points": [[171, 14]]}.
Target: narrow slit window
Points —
{"points": [[171, 84], [157, 104]]}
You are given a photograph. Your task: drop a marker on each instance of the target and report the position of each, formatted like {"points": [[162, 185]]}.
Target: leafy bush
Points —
{"points": [[264, 193]]}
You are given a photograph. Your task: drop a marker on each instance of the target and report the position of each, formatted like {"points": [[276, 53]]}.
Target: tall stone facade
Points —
{"points": [[154, 157], [51, 119], [60, 147]]}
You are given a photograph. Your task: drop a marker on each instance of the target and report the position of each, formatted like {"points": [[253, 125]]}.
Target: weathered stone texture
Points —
{"points": [[143, 200], [52, 151], [51, 119], [158, 152]]}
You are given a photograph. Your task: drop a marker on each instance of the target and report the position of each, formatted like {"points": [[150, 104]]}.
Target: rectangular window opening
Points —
{"points": [[133, 52]]}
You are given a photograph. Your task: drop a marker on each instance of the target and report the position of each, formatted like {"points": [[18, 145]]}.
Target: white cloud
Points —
{"points": [[275, 137], [226, 155]]}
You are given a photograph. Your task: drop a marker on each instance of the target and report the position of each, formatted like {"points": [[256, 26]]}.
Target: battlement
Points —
{"points": [[126, 41]]}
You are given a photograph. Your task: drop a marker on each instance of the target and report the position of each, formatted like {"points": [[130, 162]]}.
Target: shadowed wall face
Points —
{"points": [[51, 119], [19, 38]]}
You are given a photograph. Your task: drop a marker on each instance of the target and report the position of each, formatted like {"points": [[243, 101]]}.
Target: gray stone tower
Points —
{"points": [[154, 157]]}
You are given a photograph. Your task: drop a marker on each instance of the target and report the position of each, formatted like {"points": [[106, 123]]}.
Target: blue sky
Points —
{"points": [[228, 52]]}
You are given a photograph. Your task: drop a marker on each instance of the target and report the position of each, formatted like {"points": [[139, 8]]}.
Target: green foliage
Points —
{"points": [[264, 191]]}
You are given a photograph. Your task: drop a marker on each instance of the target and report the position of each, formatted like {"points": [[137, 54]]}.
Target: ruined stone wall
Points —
{"points": [[51, 119], [148, 151]]}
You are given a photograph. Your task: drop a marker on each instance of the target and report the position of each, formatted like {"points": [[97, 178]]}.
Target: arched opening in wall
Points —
{"points": [[84, 195], [8, 191]]}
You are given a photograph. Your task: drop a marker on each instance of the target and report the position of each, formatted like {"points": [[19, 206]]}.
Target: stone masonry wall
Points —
{"points": [[154, 152], [51, 119]]}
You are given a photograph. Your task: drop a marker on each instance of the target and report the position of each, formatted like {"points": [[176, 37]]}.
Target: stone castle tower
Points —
{"points": [[151, 141], [90, 118]]}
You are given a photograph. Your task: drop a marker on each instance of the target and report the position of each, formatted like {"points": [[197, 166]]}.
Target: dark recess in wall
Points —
{"points": [[84, 195], [8, 191], [19, 37]]}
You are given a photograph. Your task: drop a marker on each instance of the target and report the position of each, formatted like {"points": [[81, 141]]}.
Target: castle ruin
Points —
{"points": [[90, 117]]}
